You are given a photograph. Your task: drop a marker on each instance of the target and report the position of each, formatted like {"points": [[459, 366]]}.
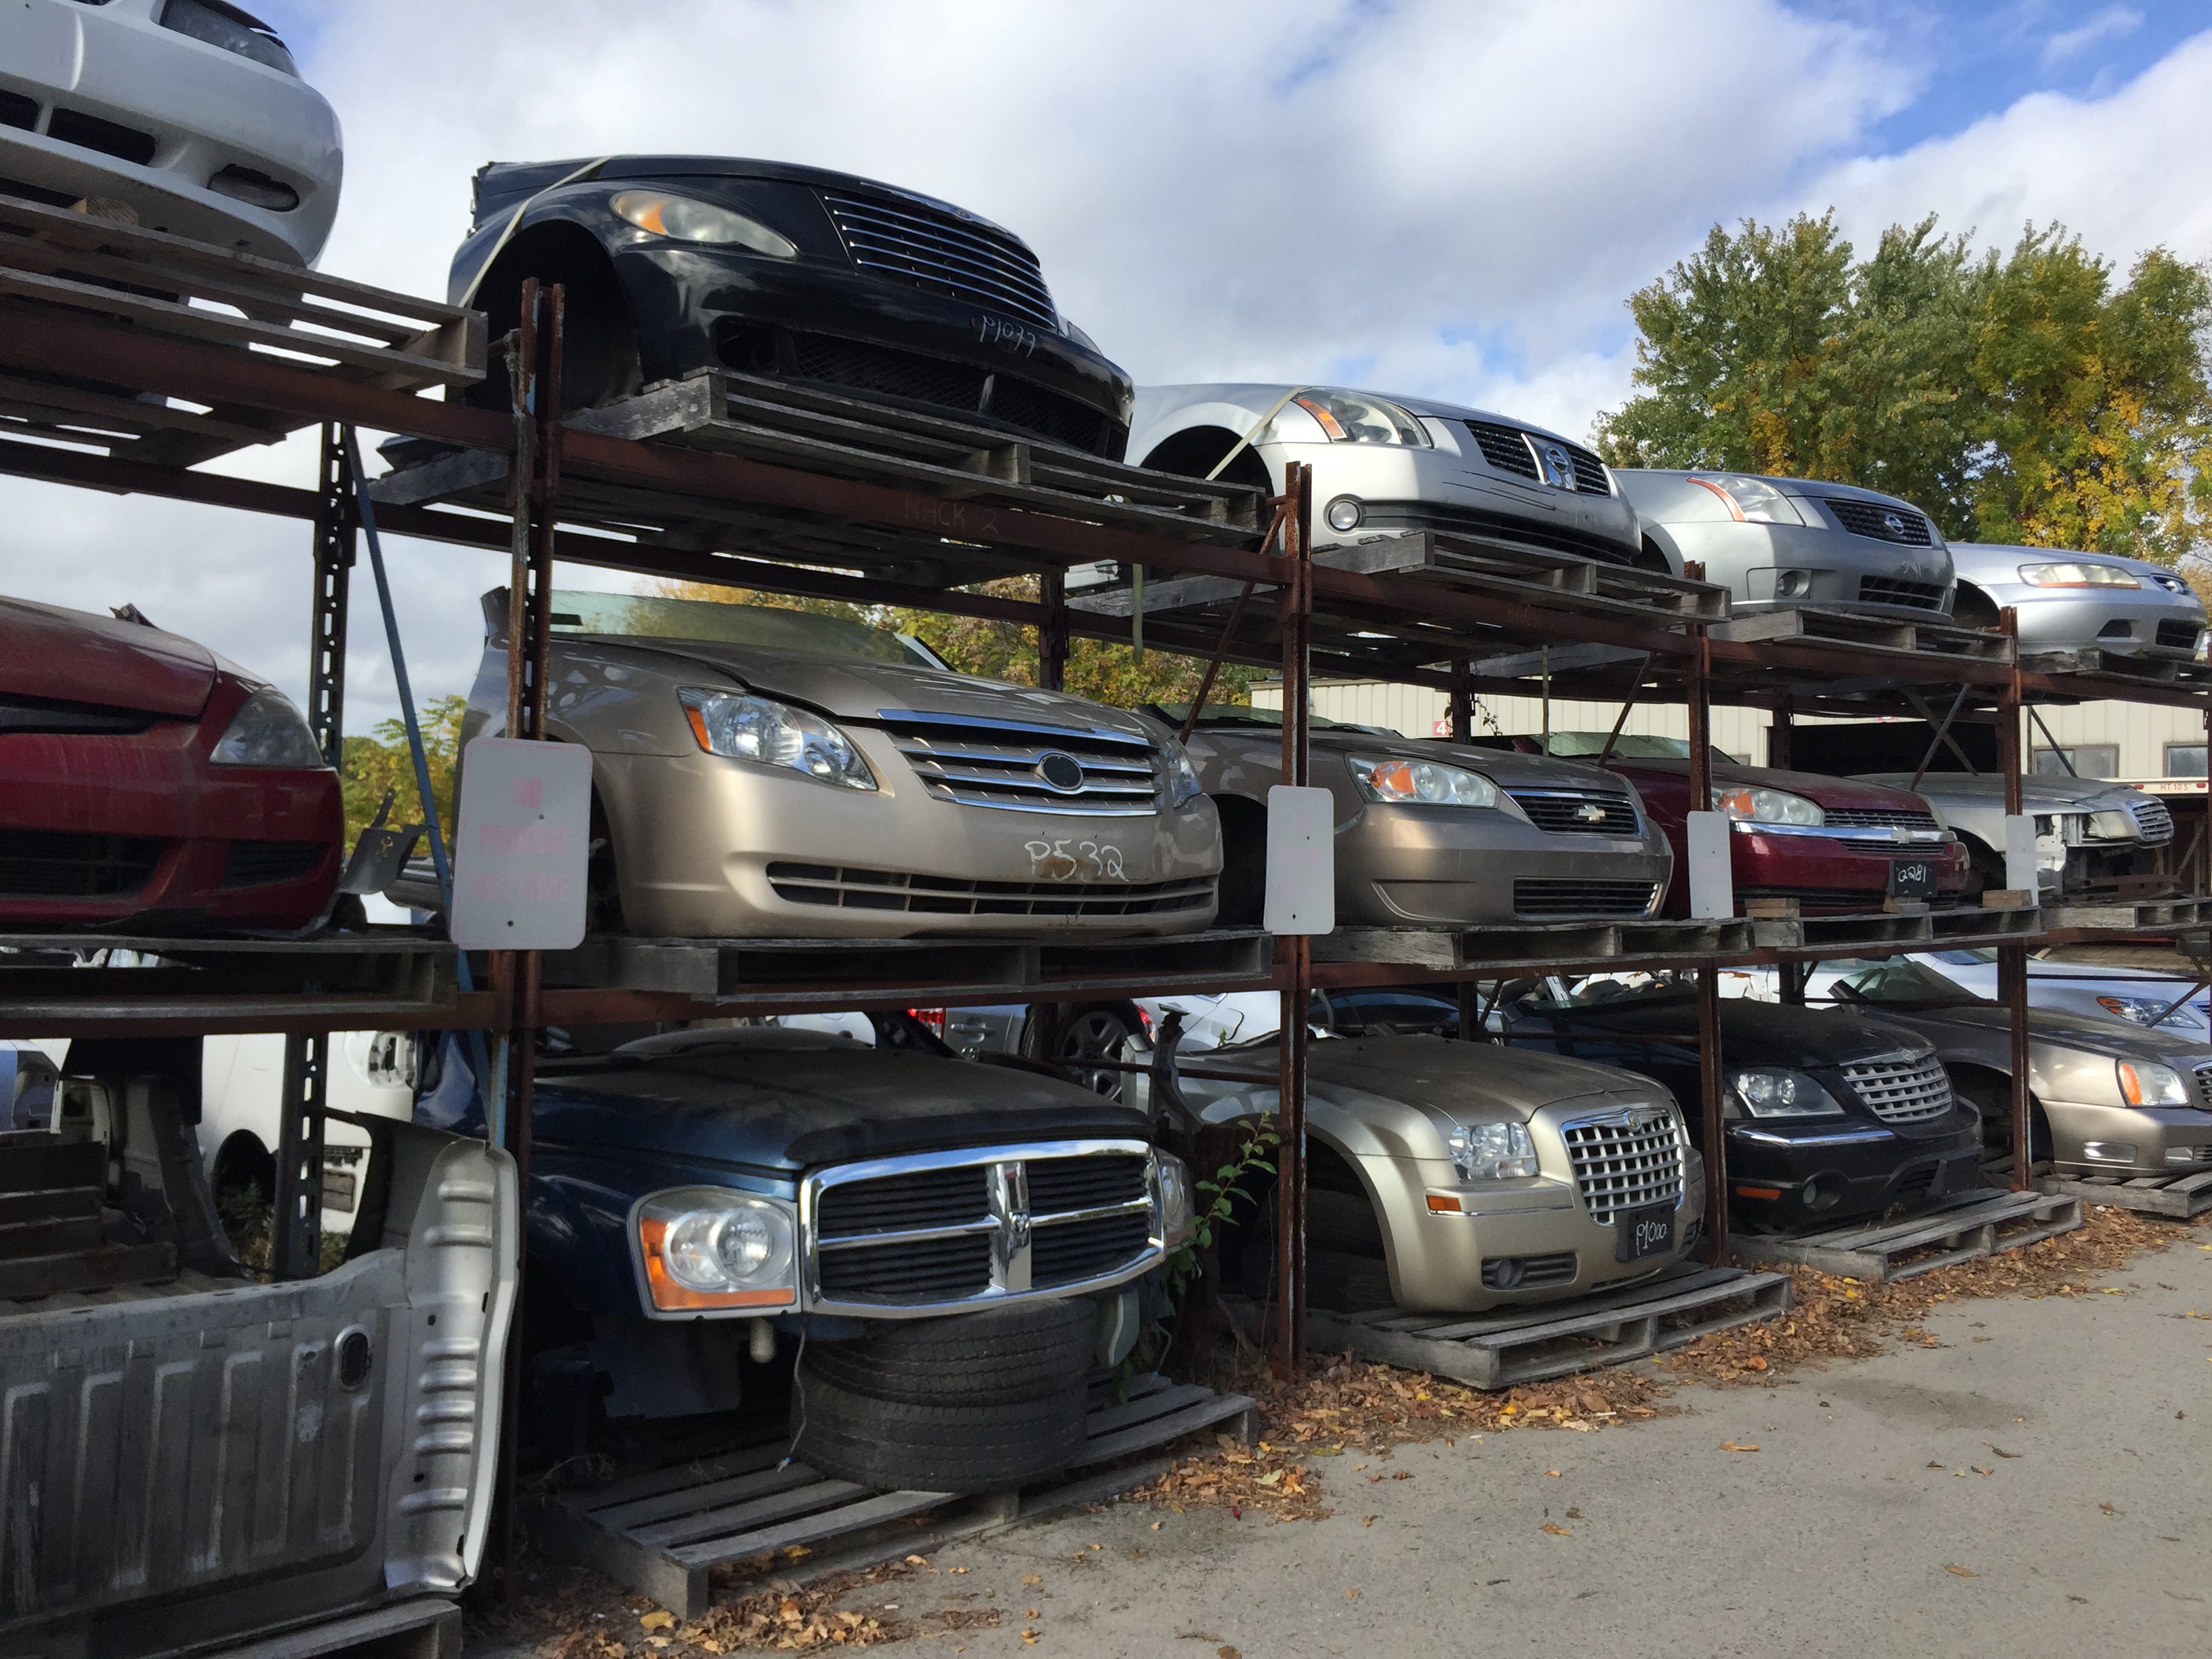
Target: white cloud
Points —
{"points": [[2113, 23], [1432, 195]]}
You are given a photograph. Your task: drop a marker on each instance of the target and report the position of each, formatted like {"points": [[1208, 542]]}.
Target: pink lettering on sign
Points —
{"points": [[527, 840], [530, 793]]}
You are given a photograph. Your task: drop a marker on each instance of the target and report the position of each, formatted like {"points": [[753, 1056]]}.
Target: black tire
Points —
{"points": [[1345, 1222], [1346, 1283], [957, 1449], [1002, 1357], [1346, 1268]]}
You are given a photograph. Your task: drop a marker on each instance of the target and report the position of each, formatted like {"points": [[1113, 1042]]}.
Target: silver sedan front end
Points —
{"points": [[2070, 601]]}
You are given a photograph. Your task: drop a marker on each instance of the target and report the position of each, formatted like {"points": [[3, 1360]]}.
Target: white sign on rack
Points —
{"points": [[1712, 871], [1301, 860], [2021, 850], [522, 848]]}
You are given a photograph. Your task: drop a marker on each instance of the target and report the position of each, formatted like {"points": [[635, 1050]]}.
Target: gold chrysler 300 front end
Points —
{"points": [[762, 773], [1494, 1176]]}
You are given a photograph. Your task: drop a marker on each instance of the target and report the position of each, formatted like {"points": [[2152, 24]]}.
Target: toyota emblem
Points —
{"points": [[1061, 771]]}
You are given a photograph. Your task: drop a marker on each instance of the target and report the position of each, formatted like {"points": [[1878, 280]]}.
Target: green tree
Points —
{"points": [[372, 764], [2019, 397]]}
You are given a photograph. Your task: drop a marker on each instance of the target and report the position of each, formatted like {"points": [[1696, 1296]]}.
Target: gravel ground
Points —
{"points": [[2031, 1484]]}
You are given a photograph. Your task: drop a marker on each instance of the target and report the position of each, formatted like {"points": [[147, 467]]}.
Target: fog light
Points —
{"points": [[2109, 1152], [1824, 1191], [1793, 583], [1342, 513], [2181, 1154]]}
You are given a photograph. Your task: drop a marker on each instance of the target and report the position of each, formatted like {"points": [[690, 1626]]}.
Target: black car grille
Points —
{"points": [[263, 863], [944, 895], [1906, 1090], [928, 248], [1528, 1273], [1509, 449], [1533, 898], [2179, 636], [2153, 818], [1077, 1251], [1450, 519], [978, 764], [1900, 817], [1626, 1163], [1590, 470], [1030, 407], [47, 864], [1888, 590], [1578, 812], [17, 111], [891, 374], [866, 1250], [1872, 519], [72, 126]]}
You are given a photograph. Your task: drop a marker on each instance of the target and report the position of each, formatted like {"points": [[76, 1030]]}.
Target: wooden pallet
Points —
{"points": [[930, 969], [978, 471], [1978, 926], [2152, 665], [1883, 635], [2130, 915], [1509, 1347], [1840, 933], [2180, 1196], [1955, 1229], [419, 1627], [1552, 945], [164, 286], [662, 1532]]}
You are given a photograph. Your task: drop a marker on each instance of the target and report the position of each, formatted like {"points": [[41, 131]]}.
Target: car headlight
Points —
{"points": [[219, 26], [707, 1247], [2145, 1083], [1354, 418], [1492, 1151], [2137, 1011], [2113, 824], [744, 727], [1424, 783], [1751, 500], [686, 220], [1773, 1092], [1178, 1200], [1182, 776], [2077, 572], [267, 730], [1752, 804]]}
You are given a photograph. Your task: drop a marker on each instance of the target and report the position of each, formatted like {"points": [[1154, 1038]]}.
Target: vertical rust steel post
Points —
{"points": [[295, 1231], [335, 521], [1461, 703], [1781, 733], [2204, 799], [1052, 632], [2012, 959], [1293, 959], [1712, 1077]]}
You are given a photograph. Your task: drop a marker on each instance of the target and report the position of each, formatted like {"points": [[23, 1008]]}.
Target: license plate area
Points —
{"points": [[1643, 1232], [1912, 879]]}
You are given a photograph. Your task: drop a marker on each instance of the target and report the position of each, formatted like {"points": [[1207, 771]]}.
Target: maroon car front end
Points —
{"points": [[146, 782]]}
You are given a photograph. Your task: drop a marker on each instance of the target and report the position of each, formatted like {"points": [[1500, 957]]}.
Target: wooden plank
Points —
{"points": [[1165, 1429], [652, 1483], [1970, 1227], [697, 1497], [766, 1540], [811, 1497], [2179, 1198]]}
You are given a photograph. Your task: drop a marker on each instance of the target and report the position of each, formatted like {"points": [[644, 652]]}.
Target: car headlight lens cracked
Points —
{"points": [[1422, 783], [267, 730], [742, 726], [1774, 1091], [1492, 1151], [2145, 1083], [1354, 418], [708, 1247], [1753, 804]]}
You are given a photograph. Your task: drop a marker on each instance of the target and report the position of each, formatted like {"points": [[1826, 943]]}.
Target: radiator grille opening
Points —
{"points": [[941, 252], [48, 864], [265, 863], [1534, 897], [1578, 812], [1071, 1251], [1626, 1163], [1905, 1089], [1900, 525]]}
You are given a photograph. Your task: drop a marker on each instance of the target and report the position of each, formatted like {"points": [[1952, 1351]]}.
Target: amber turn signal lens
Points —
{"points": [[1442, 1205]]}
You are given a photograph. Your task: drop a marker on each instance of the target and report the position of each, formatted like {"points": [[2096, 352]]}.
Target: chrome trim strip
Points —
{"points": [[1030, 728], [907, 1235], [1889, 835]]}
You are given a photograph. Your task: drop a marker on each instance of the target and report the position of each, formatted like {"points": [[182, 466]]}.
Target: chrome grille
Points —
{"points": [[1902, 1089], [2153, 819], [1625, 1160], [1006, 765], [1546, 897], [837, 886], [1900, 817], [1872, 519], [1506, 448], [1590, 470], [927, 247], [957, 1229], [1577, 812], [2204, 1085]]}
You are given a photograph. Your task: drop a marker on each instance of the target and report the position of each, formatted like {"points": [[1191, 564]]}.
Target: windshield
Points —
{"points": [[1222, 714], [1902, 982], [1629, 746], [639, 616]]}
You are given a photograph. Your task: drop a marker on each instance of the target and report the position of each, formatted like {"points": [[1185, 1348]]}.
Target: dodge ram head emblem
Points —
{"points": [[1061, 772], [1894, 524], [1558, 465]]}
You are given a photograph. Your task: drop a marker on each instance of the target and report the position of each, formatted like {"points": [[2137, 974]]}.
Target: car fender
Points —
{"points": [[572, 205], [1164, 422]]}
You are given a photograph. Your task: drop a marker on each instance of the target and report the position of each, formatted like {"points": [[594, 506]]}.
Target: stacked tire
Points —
{"points": [[977, 1402]]}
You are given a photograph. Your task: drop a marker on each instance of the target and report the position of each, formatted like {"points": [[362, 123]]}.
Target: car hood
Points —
{"points": [[1753, 1033], [1811, 489], [849, 689], [1504, 767], [1469, 1081], [2038, 791], [74, 656], [790, 1101], [1157, 403], [1815, 787], [2114, 1038]]}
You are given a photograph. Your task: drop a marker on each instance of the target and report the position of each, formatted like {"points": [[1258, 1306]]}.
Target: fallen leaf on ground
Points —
{"points": [[659, 1619], [1224, 1651], [1963, 1572], [1574, 1515], [1369, 1521], [2108, 1509], [1555, 1529], [1354, 1592], [1978, 1469], [2002, 1452], [1554, 1473], [1732, 1445], [2083, 1599], [1032, 1578]]}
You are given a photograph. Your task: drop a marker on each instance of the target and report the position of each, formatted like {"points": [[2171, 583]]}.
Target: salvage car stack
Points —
{"points": [[888, 1272]]}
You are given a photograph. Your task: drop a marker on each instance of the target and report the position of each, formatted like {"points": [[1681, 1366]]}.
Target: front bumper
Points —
{"points": [[708, 848], [1772, 567], [712, 307], [161, 838], [2145, 1135], [195, 109], [2127, 621], [1824, 872], [1459, 866], [1783, 1174]]}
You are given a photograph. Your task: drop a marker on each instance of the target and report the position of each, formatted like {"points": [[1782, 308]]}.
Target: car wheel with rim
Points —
{"points": [[1096, 1033]]}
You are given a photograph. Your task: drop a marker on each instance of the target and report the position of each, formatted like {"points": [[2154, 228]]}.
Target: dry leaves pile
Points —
{"points": [[1832, 1318]]}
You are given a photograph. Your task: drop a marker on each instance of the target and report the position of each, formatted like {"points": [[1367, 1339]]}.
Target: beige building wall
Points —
{"points": [[2141, 733]]}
